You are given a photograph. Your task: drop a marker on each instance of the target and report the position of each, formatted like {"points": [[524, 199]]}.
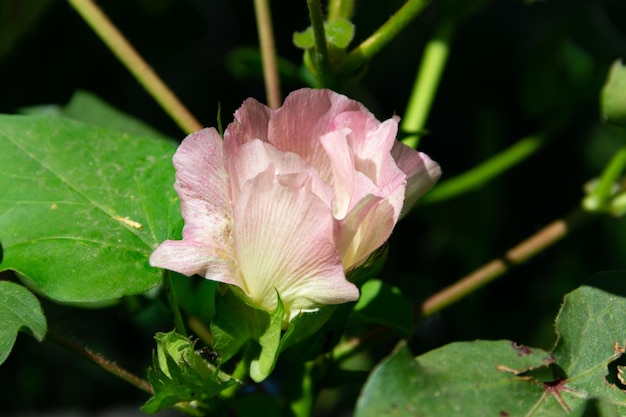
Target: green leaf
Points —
{"points": [[90, 109], [261, 367], [339, 33], [613, 96], [583, 375], [465, 378], [385, 305], [19, 309], [181, 378], [590, 329], [82, 208], [236, 323]]}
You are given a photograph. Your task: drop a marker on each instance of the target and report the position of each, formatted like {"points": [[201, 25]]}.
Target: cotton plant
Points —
{"points": [[279, 227]]}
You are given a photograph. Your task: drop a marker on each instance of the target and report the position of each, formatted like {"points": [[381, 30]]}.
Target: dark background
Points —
{"points": [[515, 67]]}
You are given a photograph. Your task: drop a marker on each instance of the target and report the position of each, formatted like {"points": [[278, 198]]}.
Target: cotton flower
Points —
{"points": [[291, 199]]}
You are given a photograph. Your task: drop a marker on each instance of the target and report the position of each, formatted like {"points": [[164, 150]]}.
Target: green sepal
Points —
{"points": [[181, 378], [19, 310]]}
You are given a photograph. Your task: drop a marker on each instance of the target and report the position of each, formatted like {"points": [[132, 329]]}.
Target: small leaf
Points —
{"points": [[304, 39], [613, 96], [385, 305], [339, 33], [82, 208], [19, 308], [181, 378]]}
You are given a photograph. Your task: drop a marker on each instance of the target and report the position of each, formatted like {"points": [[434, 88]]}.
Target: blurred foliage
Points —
{"points": [[515, 67]]}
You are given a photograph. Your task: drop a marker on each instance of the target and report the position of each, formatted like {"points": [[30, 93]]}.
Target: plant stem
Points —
{"points": [[602, 193], [487, 170], [101, 361], [536, 243], [124, 51], [385, 34], [321, 59], [340, 9], [172, 301], [268, 52], [431, 68]]}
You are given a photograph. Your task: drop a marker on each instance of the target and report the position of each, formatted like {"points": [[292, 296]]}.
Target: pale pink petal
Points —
{"points": [[282, 235], [349, 185], [364, 230], [255, 157], [306, 116], [421, 171], [201, 184], [251, 122]]}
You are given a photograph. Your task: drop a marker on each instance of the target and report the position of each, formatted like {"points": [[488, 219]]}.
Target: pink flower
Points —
{"points": [[292, 198]]}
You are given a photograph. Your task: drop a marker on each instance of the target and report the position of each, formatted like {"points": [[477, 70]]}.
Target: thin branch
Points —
{"points": [[140, 69], [101, 361], [385, 34], [536, 243], [268, 53]]}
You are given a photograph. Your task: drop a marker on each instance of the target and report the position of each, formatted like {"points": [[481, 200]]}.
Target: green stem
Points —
{"points": [[360, 55], [268, 52], [321, 59], [340, 9], [431, 68], [303, 405], [101, 361], [601, 195], [139, 68], [486, 171], [172, 301]]}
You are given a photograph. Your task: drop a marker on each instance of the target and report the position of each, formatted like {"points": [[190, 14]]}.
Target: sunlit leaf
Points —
{"points": [[82, 208]]}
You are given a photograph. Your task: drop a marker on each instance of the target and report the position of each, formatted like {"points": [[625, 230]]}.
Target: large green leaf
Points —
{"points": [[19, 309], [584, 373], [82, 208]]}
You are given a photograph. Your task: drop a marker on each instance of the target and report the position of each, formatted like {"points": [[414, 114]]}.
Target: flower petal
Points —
{"points": [[251, 122], [364, 230], [201, 184], [305, 116], [255, 157], [349, 185], [282, 235], [421, 171]]}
